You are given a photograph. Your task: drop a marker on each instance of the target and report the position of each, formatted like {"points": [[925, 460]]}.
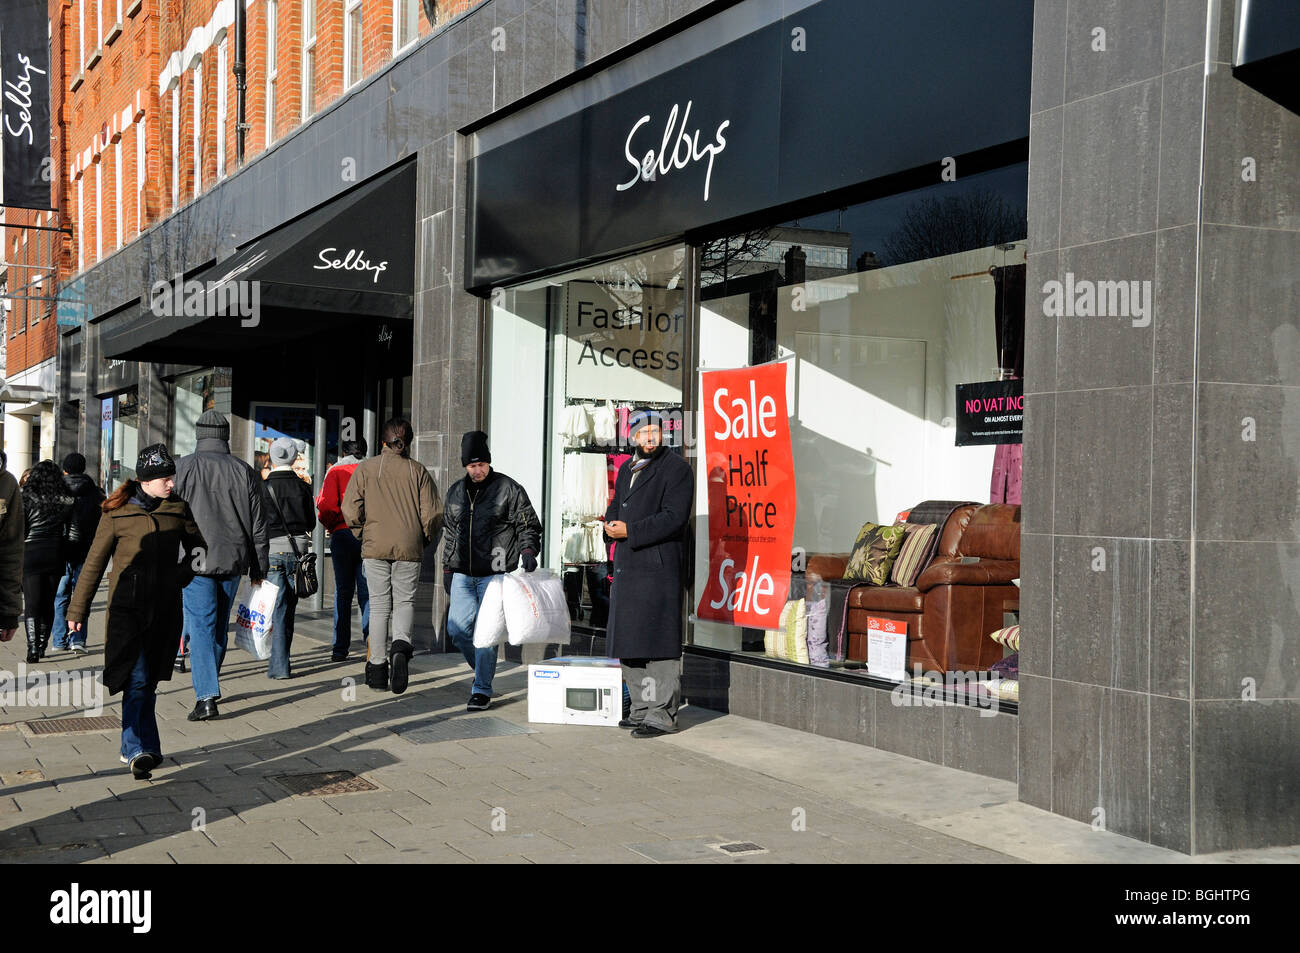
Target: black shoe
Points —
{"points": [[400, 658], [204, 710], [141, 765], [478, 702], [629, 723], [180, 663], [43, 635], [650, 731], [337, 657], [377, 676]]}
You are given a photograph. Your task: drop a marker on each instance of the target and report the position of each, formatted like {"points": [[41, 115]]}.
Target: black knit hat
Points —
{"points": [[474, 448], [154, 462], [74, 463]]}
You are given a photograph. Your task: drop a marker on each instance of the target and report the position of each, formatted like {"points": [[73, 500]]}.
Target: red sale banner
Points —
{"points": [[751, 495]]}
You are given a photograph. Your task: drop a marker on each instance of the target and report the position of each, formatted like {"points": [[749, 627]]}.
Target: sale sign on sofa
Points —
{"points": [[751, 493]]}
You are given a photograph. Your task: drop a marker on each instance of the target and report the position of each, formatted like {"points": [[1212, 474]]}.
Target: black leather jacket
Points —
{"points": [[49, 519], [85, 514], [487, 525]]}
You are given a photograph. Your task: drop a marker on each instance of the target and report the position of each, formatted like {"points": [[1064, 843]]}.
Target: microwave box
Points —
{"points": [[576, 691]]}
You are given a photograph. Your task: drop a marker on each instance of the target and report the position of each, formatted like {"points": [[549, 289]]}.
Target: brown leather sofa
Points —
{"points": [[953, 606]]}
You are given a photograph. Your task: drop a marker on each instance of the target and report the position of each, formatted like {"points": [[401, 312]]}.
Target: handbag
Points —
{"points": [[305, 582]]}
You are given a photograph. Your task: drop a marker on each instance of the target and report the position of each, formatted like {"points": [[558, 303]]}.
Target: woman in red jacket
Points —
{"points": [[345, 550]]}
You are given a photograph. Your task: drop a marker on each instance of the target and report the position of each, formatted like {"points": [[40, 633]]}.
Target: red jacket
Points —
{"points": [[331, 496]]}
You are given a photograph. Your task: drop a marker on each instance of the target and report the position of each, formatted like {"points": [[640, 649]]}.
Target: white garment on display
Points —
{"points": [[596, 552], [604, 425], [586, 486], [575, 426], [574, 544]]}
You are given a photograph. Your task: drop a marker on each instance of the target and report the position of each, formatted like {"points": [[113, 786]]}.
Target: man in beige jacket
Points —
{"points": [[392, 507]]}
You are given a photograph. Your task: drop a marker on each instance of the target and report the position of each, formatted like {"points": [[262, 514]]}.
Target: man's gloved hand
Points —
{"points": [[529, 560], [446, 581]]}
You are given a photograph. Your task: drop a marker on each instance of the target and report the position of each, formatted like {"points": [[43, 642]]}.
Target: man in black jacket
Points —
{"points": [[87, 498], [490, 528], [647, 521]]}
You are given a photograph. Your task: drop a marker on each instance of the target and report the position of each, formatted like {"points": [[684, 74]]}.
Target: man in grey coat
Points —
{"points": [[647, 522], [225, 496]]}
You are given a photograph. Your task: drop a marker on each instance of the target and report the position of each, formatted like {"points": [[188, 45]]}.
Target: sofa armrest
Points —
{"points": [[952, 572], [827, 565]]}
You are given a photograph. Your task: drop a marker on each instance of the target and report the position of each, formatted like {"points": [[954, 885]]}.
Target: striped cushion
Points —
{"points": [[1010, 637], [915, 553]]}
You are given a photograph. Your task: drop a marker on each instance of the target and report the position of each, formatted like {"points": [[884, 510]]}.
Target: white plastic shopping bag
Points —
{"points": [[535, 607], [253, 618], [490, 625]]}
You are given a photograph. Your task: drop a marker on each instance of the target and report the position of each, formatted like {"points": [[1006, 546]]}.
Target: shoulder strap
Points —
{"points": [[293, 544]]}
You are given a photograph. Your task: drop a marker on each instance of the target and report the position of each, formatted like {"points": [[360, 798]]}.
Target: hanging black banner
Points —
{"points": [[25, 127], [990, 412]]}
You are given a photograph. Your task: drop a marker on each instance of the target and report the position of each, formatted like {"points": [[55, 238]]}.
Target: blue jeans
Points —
{"points": [[349, 577], [466, 597], [139, 725], [208, 601], [68, 583], [286, 602]]}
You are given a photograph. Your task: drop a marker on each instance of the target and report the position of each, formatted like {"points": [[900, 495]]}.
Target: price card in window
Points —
{"points": [[887, 648]]}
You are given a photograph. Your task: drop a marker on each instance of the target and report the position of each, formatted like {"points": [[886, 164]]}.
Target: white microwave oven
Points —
{"points": [[586, 694]]}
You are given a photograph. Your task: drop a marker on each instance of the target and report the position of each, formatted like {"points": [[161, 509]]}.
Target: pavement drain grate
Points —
{"points": [[325, 783], [743, 847], [459, 729], [69, 726]]}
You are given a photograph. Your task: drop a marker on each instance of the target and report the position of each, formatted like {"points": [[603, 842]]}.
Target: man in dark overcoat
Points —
{"points": [[647, 523]]}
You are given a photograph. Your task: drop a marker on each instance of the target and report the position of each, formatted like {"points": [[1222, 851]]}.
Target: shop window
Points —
{"points": [[613, 337], [880, 311], [120, 433], [197, 393]]}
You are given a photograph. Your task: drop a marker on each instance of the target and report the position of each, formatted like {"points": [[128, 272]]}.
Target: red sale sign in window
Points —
{"points": [[751, 494], [887, 648]]}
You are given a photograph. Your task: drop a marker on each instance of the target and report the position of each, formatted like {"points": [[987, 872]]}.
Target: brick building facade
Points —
{"points": [[143, 118]]}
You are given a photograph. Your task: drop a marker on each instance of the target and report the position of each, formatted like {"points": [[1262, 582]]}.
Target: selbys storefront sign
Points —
{"points": [[678, 150]]}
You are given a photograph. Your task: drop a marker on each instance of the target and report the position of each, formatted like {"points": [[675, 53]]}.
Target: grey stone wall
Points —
{"points": [[1160, 554]]}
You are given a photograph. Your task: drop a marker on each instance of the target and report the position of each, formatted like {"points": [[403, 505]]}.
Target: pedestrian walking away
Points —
{"points": [[50, 530], [290, 517], [12, 526], [87, 500], [647, 520], [225, 496], [143, 528], [391, 505], [490, 529], [345, 551]]}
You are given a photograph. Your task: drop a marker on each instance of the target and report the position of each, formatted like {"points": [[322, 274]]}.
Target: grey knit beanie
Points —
{"points": [[212, 424]]}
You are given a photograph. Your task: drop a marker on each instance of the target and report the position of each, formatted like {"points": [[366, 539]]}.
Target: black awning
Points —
{"points": [[1267, 54], [350, 259]]}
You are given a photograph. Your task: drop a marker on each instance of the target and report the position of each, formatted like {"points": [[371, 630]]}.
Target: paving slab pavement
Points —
{"points": [[558, 795]]}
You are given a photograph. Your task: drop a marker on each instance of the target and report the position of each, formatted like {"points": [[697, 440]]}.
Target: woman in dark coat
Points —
{"points": [[153, 541], [648, 520], [48, 515]]}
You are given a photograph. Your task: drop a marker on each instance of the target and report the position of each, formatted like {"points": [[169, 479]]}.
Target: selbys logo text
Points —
{"points": [[671, 155]]}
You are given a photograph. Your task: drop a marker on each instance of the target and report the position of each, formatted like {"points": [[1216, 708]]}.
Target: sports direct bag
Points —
{"points": [[535, 607], [490, 624], [253, 618]]}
